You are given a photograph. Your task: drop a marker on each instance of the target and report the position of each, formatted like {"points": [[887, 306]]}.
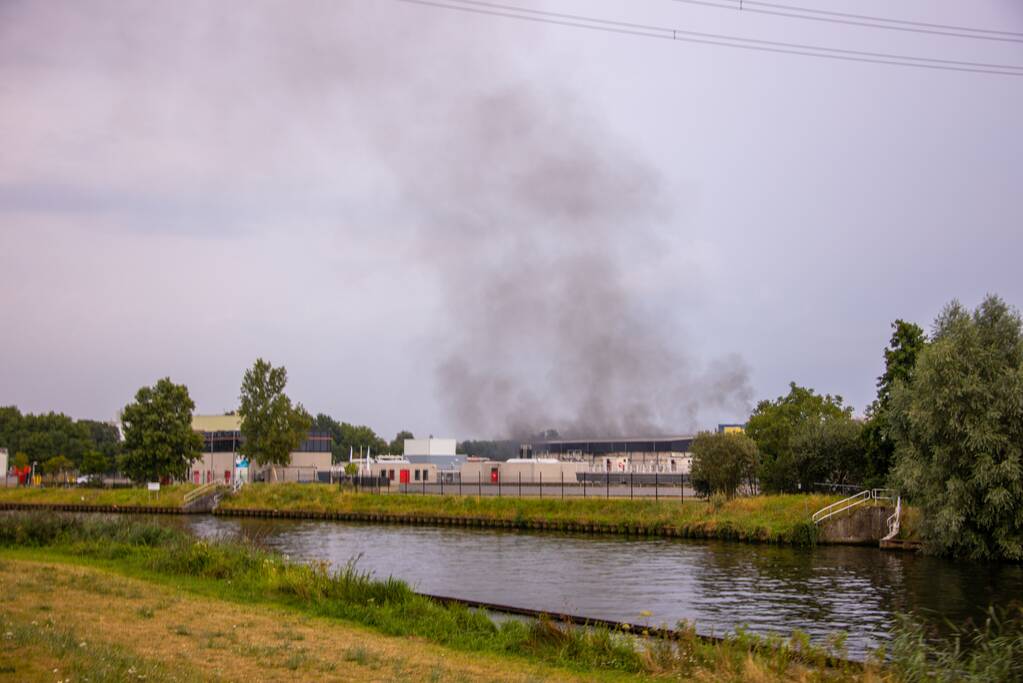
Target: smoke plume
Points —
{"points": [[540, 230]]}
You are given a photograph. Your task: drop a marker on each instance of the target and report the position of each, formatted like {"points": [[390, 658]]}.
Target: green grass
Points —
{"points": [[169, 496], [84, 660], [775, 519], [389, 606]]}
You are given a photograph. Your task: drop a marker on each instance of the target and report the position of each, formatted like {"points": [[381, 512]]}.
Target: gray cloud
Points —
{"points": [[460, 224]]}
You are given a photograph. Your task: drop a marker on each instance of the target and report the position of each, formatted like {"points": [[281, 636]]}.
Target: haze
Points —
{"points": [[467, 225]]}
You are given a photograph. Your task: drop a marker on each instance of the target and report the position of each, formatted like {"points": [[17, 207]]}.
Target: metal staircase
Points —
{"points": [[855, 500], [894, 520]]}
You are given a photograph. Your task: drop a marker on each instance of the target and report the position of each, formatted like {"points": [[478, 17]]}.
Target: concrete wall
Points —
{"points": [[212, 467], [531, 471], [429, 447], [219, 468], [861, 525], [415, 471]]}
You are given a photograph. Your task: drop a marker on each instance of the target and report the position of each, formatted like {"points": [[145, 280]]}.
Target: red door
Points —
{"points": [[195, 476], [493, 475], [403, 476], [227, 476]]}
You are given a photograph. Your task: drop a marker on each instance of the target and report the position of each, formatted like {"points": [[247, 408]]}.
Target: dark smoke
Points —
{"points": [[535, 216], [539, 226]]}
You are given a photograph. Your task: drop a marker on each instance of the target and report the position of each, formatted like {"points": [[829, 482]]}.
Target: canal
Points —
{"points": [[716, 585]]}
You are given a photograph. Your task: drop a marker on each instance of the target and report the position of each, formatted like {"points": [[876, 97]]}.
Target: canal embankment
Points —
{"points": [[765, 519], [144, 574], [781, 519]]}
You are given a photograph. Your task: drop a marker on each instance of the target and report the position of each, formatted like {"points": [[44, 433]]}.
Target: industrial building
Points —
{"points": [[439, 452], [396, 469], [222, 463], [632, 454]]}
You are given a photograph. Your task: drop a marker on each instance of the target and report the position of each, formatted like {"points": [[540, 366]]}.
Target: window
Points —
{"points": [[417, 475], [426, 475]]}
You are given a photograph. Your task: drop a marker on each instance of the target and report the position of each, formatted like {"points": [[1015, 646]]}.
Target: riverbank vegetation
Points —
{"points": [[168, 496], [772, 519], [244, 574], [140, 601]]}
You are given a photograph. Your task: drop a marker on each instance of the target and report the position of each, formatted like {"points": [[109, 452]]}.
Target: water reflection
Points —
{"points": [[716, 585]]}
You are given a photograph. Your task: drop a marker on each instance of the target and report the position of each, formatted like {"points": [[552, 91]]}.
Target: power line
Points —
{"points": [[717, 36], [862, 20], [665, 33]]}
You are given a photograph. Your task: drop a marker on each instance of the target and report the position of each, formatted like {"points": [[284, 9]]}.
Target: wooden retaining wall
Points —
{"points": [[115, 509]]}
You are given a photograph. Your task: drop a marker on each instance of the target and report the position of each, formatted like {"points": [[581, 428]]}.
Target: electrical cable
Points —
{"points": [[665, 33], [861, 20]]}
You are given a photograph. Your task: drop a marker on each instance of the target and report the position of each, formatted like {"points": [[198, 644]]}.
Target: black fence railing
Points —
{"points": [[645, 485]]}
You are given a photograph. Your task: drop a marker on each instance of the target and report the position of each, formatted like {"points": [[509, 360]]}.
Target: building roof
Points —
{"points": [[216, 423], [620, 439]]}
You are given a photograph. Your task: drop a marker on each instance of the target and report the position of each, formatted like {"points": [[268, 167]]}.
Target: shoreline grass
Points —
{"points": [[172, 496], [767, 519], [780, 519], [256, 576]]}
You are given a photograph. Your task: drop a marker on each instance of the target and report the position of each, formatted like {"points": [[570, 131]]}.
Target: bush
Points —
{"points": [[723, 462], [958, 429], [990, 652]]}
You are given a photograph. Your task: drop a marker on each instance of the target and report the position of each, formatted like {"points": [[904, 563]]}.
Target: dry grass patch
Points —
{"points": [[203, 639]]}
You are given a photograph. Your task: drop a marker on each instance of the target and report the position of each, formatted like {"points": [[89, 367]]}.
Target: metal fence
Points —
{"points": [[589, 485]]}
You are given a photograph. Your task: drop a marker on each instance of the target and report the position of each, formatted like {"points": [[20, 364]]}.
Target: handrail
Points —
{"points": [[195, 494], [894, 521], [884, 494], [841, 506], [860, 498]]}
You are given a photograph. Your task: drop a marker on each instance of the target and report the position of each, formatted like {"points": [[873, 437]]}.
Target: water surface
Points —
{"points": [[716, 585]]}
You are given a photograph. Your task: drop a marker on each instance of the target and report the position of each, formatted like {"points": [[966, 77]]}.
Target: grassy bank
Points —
{"points": [[168, 496], [108, 627], [248, 577], [773, 519]]}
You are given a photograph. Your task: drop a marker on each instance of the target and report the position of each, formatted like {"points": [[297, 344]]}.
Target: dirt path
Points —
{"points": [[68, 623]]}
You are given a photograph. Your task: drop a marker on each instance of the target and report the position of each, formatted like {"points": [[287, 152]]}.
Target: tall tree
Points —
{"points": [[158, 437], [900, 356], [397, 445], [95, 463], [326, 424], [828, 450], [105, 438], [958, 430], [271, 426], [722, 463], [773, 425]]}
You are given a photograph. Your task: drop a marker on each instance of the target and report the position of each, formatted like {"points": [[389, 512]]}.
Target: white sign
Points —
{"points": [[154, 486]]}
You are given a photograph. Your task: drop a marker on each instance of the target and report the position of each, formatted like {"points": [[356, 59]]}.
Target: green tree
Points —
{"points": [[900, 357], [57, 465], [722, 463], [20, 460], [271, 426], [908, 339], [158, 437], [397, 445], [958, 430], [94, 463], [828, 450], [356, 439], [326, 424], [773, 425], [104, 437]]}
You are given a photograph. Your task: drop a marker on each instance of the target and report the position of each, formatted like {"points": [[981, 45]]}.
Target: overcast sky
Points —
{"points": [[466, 225]]}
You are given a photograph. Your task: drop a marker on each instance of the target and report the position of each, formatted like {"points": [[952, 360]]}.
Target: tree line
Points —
{"points": [[945, 429], [158, 440], [59, 443]]}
